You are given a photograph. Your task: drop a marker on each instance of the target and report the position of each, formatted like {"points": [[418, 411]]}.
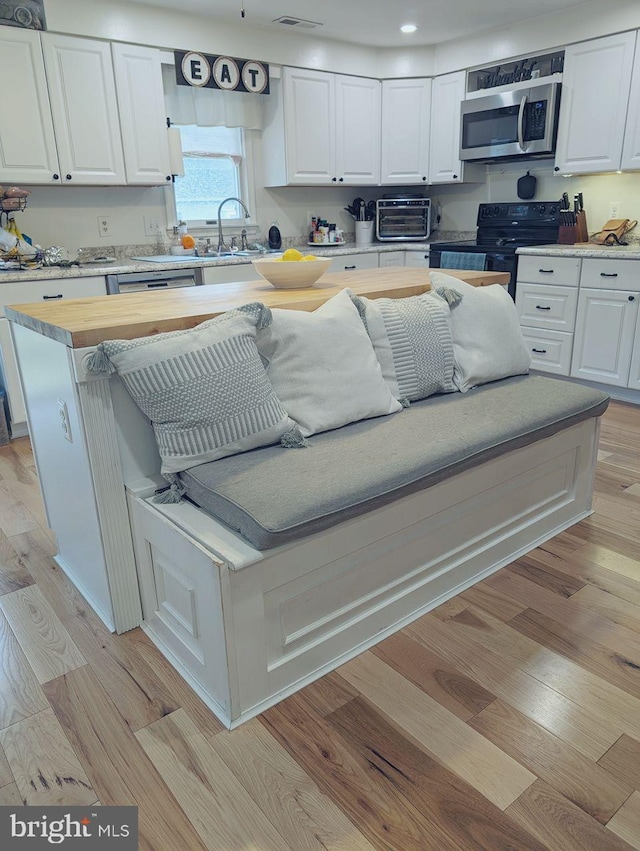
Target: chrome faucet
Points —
{"points": [[221, 243]]}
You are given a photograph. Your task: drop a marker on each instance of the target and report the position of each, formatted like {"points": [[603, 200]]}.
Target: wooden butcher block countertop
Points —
{"points": [[82, 322]]}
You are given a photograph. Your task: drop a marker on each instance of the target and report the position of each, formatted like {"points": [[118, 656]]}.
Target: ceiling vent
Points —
{"points": [[289, 21]]}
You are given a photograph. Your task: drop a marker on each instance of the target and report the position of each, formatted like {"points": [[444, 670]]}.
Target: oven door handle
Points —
{"points": [[523, 103]]}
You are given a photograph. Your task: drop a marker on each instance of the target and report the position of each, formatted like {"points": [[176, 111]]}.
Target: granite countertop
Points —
{"points": [[586, 250], [123, 266]]}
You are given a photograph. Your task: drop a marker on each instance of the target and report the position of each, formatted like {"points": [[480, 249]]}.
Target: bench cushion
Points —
{"points": [[272, 497]]}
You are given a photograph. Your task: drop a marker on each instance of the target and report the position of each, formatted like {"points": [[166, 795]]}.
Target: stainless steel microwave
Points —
{"points": [[521, 123]]}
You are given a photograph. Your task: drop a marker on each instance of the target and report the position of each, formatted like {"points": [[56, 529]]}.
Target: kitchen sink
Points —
{"points": [[188, 258]]}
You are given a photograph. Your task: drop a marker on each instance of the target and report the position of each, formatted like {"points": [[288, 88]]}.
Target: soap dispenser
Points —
{"points": [[275, 240]]}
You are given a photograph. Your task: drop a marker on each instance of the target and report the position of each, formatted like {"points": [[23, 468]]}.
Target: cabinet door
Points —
{"points": [[631, 146], [605, 326], [357, 102], [27, 143], [444, 147], [417, 259], [593, 105], [391, 258], [138, 75], [406, 112], [309, 109], [634, 373], [540, 306], [85, 110], [11, 378]]}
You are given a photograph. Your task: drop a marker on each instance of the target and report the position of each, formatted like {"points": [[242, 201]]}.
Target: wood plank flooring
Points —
{"points": [[508, 718]]}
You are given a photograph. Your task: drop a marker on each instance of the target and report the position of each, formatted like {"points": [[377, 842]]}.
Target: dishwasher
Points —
{"points": [[136, 282]]}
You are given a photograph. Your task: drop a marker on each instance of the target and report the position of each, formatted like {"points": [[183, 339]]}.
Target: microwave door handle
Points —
{"points": [[523, 103]]}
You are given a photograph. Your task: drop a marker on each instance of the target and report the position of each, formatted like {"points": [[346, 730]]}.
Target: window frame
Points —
{"points": [[246, 179]]}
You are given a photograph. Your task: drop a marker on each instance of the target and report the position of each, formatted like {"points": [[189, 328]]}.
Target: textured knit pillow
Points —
{"points": [[412, 341], [205, 390], [487, 340], [323, 368]]}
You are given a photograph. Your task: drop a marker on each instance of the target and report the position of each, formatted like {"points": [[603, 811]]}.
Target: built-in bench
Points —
{"points": [[298, 560]]}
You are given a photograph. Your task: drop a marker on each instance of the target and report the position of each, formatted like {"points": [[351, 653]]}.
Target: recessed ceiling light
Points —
{"points": [[408, 28]]}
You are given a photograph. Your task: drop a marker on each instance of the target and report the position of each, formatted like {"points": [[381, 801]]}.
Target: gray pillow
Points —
{"points": [[412, 341], [205, 389]]}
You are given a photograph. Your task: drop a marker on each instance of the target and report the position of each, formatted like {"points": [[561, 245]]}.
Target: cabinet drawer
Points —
{"points": [[560, 271], [25, 292], [349, 262], [553, 308], [417, 259], [550, 350], [611, 274]]}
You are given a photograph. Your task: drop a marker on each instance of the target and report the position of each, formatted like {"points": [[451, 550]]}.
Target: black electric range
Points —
{"points": [[502, 229]]}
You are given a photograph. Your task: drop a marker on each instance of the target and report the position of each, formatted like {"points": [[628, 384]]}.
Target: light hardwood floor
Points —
{"points": [[508, 718]]}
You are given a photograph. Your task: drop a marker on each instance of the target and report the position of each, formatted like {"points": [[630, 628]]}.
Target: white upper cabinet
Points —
{"points": [[330, 126], [406, 112], [138, 75], [631, 147], [27, 142], [85, 111], [357, 102], [309, 126], [593, 106], [447, 93]]}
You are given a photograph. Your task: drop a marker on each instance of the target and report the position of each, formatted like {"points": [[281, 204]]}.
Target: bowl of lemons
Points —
{"points": [[294, 270]]}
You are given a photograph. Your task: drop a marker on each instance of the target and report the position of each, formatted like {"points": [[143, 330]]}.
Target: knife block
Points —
{"points": [[567, 234], [581, 227]]}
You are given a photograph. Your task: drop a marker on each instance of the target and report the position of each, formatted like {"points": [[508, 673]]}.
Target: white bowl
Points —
{"points": [[291, 274]]}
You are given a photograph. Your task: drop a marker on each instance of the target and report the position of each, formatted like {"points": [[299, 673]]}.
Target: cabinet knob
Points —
{"points": [[69, 177], [455, 176], [556, 168], [168, 177], [424, 178], [341, 180], [632, 298], [56, 177], [334, 179]]}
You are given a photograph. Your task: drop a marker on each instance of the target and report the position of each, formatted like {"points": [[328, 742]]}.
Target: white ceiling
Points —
{"points": [[376, 23]]}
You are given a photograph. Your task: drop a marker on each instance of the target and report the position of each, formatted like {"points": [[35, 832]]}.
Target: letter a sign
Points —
{"points": [[221, 72]]}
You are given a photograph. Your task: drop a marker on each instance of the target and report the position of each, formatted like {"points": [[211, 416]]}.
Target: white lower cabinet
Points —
{"points": [[634, 372], [605, 329], [391, 258], [417, 259], [351, 262], [230, 274], [25, 292]]}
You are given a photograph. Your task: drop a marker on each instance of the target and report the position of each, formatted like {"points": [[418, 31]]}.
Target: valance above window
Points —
{"points": [[210, 107]]}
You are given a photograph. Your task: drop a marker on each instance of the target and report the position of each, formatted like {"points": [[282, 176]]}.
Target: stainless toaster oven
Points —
{"points": [[403, 218]]}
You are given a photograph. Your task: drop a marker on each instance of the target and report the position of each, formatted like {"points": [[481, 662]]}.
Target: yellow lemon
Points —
{"points": [[292, 254], [309, 257]]}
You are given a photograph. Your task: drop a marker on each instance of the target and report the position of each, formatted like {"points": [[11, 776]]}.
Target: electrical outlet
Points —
{"points": [[614, 209], [151, 225], [104, 225], [63, 413]]}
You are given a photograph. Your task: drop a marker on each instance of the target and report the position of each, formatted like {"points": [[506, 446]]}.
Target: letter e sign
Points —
{"points": [[196, 69]]}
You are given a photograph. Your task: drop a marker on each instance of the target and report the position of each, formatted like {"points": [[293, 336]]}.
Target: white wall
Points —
{"points": [[460, 203]]}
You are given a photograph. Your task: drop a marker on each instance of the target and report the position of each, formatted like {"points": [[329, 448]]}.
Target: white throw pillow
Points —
{"points": [[323, 368], [487, 340]]}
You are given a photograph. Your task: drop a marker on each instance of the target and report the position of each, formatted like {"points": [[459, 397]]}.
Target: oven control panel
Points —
{"points": [[527, 213]]}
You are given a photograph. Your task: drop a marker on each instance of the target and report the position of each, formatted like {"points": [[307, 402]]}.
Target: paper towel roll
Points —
{"points": [[175, 151]]}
